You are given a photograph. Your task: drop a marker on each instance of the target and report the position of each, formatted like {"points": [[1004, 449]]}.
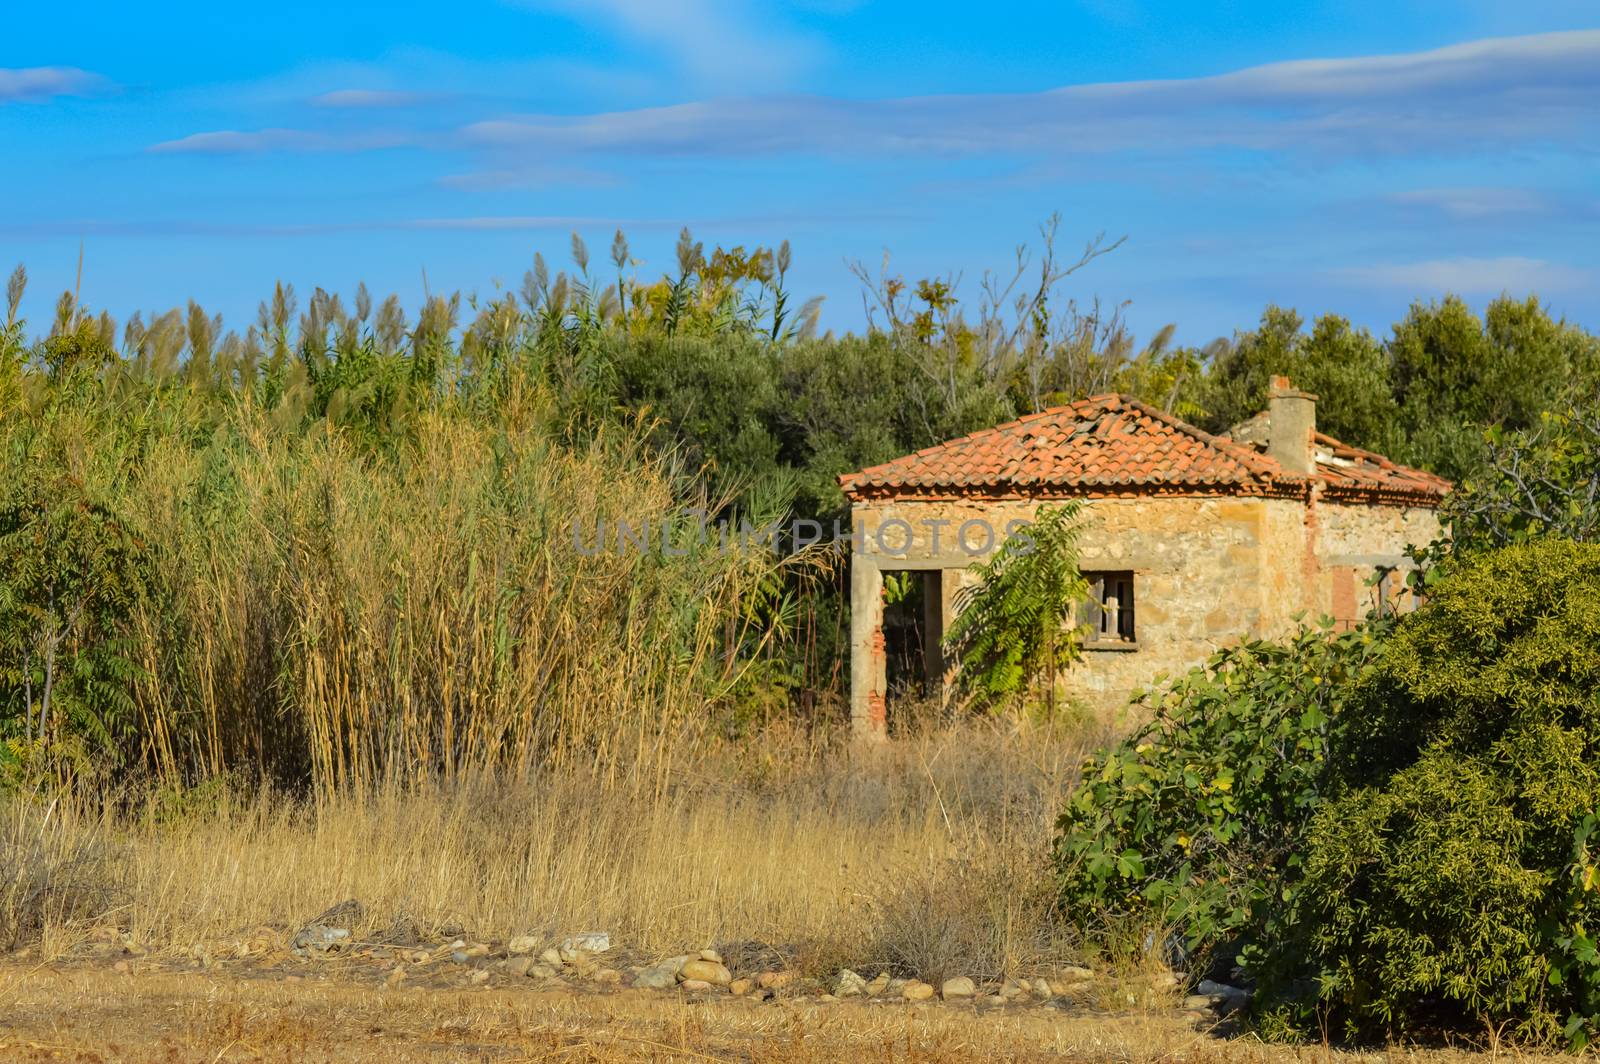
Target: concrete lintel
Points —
{"points": [[889, 563], [1375, 561]]}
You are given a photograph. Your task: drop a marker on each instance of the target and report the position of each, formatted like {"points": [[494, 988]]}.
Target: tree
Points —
{"points": [[1455, 374], [1344, 367], [1537, 482], [71, 572], [1011, 626]]}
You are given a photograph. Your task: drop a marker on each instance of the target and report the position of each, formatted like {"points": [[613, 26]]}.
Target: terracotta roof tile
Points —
{"points": [[1111, 444]]}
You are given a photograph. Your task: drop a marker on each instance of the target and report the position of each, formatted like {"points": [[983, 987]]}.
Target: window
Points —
{"points": [[1109, 611]]}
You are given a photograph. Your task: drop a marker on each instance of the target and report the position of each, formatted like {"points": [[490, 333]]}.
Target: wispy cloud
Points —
{"points": [[1475, 202], [1491, 91], [1464, 98], [202, 228], [369, 99], [254, 142], [42, 83], [532, 176], [725, 45], [1471, 276]]}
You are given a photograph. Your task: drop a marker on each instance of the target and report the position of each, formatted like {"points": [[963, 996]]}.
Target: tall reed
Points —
{"points": [[333, 613]]}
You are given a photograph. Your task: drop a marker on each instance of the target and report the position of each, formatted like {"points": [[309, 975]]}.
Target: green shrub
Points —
{"points": [[1451, 883], [1199, 817]]}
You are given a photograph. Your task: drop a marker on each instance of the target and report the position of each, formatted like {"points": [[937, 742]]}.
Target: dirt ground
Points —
{"points": [[179, 1013]]}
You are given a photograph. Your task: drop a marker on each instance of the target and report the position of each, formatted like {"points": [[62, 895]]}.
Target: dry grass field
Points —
{"points": [[68, 1013], [164, 932]]}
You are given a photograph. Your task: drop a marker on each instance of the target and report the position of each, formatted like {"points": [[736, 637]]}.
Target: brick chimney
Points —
{"points": [[1293, 417]]}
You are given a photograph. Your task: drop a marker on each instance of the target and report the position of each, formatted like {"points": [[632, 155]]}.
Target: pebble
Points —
{"points": [[711, 955], [1042, 989], [552, 957], [608, 977], [916, 990], [519, 965], [774, 980], [705, 971], [523, 944], [878, 985], [479, 977], [1197, 1001], [1072, 973], [693, 985], [958, 989], [740, 987]]}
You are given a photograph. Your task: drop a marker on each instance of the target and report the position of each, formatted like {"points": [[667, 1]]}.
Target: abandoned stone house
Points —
{"points": [[1191, 542]]}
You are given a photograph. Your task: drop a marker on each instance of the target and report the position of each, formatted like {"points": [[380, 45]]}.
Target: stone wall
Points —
{"points": [[1357, 543], [1208, 572]]}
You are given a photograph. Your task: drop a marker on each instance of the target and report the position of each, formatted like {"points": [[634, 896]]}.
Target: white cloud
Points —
{"points": [[725, 45], [1475, 202], [42, 83], [1465, 98], [1493, 91], [1471, 276]]}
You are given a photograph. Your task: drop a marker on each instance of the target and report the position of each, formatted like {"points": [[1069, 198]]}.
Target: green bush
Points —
{"points": [[1199, 817], [1451, 883], [1395, 828]]}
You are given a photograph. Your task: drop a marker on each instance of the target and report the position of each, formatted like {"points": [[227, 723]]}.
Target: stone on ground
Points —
{"points": [[958, 989], [706, 971], [587, 942], [850, 984], [917, 990], [661, 975]]}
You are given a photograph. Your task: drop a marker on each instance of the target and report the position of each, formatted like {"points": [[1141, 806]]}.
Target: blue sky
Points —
{"points": [[1344, 156]]}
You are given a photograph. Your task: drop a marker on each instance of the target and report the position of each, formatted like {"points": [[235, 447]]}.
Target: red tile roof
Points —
{"points": [[1116, 445]]}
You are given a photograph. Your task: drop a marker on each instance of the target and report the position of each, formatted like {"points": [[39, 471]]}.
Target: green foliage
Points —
{"points": [[1452, 882], [1455, 374], [1199, 817], [72, 572], [1393, 830], [1344, 367], [1011, 625], [1544, 481]]}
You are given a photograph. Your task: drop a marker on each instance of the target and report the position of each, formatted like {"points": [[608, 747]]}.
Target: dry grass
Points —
{"points": [[79, 1015], [927, 857]]}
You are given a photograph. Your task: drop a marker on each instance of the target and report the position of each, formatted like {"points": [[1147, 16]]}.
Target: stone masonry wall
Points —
{"points": [[1355, 543], [1208, 571], [1200, 576]]}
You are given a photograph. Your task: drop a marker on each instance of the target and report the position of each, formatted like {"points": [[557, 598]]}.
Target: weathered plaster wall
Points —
{"points": [[1355, 542], [1208, 571], [1200, 569]]}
